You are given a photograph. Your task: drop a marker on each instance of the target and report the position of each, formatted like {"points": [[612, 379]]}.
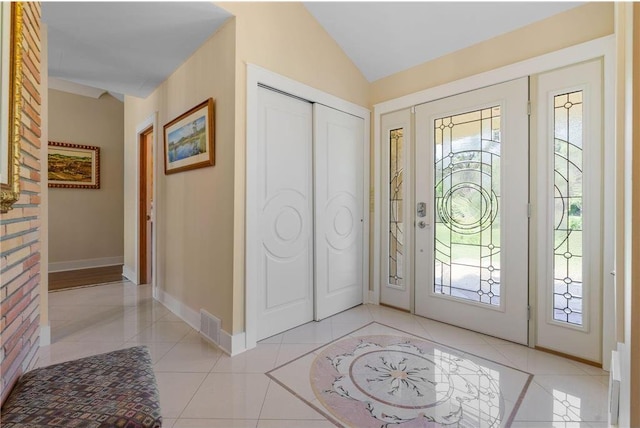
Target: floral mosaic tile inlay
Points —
{"points": [[399, 380]]}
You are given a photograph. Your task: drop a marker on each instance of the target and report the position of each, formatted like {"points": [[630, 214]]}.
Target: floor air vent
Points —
{"points": [[210, 326]]}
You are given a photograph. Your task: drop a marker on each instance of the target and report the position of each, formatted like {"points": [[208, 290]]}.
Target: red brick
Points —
{"points": [[31, 162], [11, 274], [12, 214], [28, 63], [30, 142], [32, 90], [35, 176], [16, 256], [36, 247], [15, 311], [31, 261], [16, 227], [12, 299], [31, 212], [11, 243], [36, 128]]}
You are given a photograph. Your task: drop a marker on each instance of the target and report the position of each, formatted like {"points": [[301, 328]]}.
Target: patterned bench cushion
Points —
{"points": [[116, 389]]}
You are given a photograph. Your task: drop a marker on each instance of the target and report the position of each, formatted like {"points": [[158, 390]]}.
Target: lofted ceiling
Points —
{"points": [[383, 38], [125, 47], [132, 47]]}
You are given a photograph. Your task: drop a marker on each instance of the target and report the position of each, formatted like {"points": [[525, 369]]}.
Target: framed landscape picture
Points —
{"points": [[188, 139], [73, 166]]}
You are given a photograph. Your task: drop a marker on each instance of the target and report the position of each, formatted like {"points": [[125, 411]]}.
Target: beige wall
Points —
{"points": [[566, 29], [198, 207], [87, 224], [194, 209], [284, 38], [634, 324]]}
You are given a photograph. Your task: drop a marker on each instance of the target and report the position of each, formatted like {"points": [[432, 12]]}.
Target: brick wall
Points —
{"points": [[20, 227]]}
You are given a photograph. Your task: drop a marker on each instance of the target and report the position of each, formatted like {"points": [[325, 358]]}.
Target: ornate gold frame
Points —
{"points": [[10, 191]]}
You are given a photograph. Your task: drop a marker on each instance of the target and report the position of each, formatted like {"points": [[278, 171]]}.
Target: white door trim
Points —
{"points": [[602, 47], [151, 121], [259, 76]]}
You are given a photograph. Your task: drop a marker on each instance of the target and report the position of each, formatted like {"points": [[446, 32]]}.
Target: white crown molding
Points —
{"points": [[75, 88]]}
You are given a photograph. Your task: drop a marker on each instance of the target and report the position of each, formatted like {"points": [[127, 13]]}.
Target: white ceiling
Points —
{"points": [[383, 38], [125, 47], [132, 47]]}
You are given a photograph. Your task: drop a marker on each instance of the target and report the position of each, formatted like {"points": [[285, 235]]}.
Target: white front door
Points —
{"points": [[285, 209], [339, 154], [570, 211], [471, 245]]}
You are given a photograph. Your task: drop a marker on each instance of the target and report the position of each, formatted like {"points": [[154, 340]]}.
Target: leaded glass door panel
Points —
{"points": [[472, 173], [569, 207], [396, 287]]}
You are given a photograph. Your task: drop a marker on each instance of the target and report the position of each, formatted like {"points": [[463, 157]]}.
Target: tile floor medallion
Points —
{"points": [[395, 379]]}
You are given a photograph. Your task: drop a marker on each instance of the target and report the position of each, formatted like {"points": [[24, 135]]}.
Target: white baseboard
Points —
{"points": [[45, 335], [614, 389], [232, 345], [185, 313], [85, 264], [129, 273]]}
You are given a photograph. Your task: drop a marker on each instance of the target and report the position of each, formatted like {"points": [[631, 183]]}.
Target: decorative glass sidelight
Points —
{"points": [[467, 196], [396, 208], [567, 166]]}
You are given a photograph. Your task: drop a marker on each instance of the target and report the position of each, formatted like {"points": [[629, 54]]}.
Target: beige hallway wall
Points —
{"points": [[569, 28], [86, 225], [194, 209], [284, 38]]}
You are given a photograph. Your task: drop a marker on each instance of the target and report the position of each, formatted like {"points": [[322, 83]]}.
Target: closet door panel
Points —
{"points": [[285, 205], [339, 150]]}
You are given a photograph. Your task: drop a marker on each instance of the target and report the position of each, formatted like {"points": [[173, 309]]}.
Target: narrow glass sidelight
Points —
{"points": [[568, 221], [467, 213], [396, 208]]}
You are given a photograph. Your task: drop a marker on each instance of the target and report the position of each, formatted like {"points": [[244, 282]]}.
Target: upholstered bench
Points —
{"points": [[116, 389]]}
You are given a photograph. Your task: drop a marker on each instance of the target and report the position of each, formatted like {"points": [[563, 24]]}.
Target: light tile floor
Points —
{"points": [[200, 386]]}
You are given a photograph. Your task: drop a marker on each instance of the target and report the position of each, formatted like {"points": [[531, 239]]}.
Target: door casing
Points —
{"points": [[141, 128], [245, 258], [599, 48]]}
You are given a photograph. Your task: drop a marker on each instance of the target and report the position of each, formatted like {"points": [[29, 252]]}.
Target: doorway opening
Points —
{"points": [[145, 202]]}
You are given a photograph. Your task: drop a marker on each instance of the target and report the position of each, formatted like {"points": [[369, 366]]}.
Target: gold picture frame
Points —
{"points": [[189, 139], [73, 166], [10, 102]]}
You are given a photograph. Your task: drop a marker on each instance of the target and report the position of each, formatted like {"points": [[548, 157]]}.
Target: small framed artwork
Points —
{"points": [[188, 139], [73, 166]]}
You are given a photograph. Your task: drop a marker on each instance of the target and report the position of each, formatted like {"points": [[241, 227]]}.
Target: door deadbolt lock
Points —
{"points": [[421, 209]]}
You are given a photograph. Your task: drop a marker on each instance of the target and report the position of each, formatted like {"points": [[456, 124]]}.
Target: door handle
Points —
{"points": [[422, 224]]}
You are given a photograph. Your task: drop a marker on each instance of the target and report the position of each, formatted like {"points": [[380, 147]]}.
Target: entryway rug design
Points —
{"points": [[378, 376]]}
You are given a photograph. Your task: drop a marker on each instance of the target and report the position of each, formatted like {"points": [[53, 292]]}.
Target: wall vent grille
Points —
{"points": [[210, 326]]}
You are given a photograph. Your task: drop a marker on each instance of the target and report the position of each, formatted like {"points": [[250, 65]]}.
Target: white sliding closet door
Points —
{"points": [[339, 153], [285, 208]]}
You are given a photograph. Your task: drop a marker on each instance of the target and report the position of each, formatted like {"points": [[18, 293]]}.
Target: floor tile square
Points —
{"points": [[228, 396]]}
